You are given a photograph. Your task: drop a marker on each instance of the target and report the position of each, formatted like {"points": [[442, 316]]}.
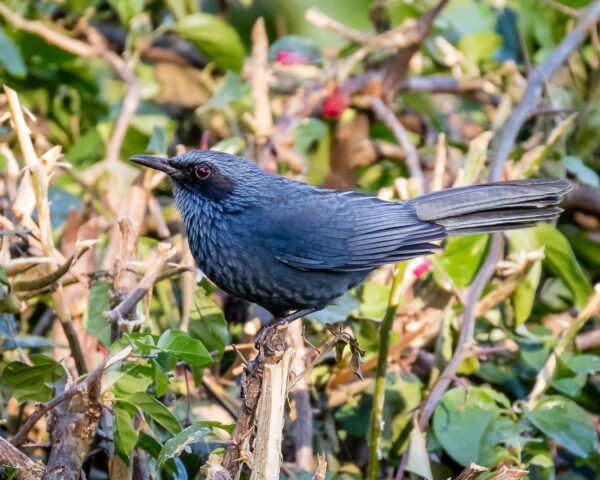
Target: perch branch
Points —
{"points": [[303, 425]]}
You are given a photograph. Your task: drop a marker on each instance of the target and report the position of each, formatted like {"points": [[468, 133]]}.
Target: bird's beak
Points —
{"points": [[157, 163]]}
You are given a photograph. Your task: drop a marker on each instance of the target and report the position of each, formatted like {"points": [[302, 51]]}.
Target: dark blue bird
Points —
{"points": [[290, 246]]}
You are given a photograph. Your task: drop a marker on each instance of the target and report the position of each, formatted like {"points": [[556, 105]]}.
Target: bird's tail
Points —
{"points": [[492, 207]]}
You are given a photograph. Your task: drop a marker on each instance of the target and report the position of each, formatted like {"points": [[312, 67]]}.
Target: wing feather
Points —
{"points": [[346, 232]]}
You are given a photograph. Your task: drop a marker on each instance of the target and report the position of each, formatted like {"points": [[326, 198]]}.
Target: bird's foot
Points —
{"points": [[277, 325]]}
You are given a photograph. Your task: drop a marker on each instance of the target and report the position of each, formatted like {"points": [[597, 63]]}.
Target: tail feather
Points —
{"points": [[492, 207]]}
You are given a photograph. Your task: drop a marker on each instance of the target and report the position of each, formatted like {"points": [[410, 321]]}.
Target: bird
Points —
{"points": [[295, 248]]}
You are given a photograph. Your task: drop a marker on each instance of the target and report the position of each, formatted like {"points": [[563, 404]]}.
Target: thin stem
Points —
{"points": [[545, 376], [379, 393]]}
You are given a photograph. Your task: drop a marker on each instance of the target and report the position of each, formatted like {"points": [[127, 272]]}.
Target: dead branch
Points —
{"points": [[395, 68], [504, 142], [471, 472], [73, 432], [262, 120], [506, 473], [270, 419], [387, 116], [165, 252], [27, 468], [270, 351], [42, 408], [52, 36], [39, 184], [321, 20], [321, 471], [303, 426]]}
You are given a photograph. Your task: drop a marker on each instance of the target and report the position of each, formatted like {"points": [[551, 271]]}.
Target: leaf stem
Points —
{"points": [[379, 393]]}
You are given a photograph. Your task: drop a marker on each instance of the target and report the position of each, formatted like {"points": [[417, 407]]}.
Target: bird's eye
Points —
{"points": [[203, 172]]}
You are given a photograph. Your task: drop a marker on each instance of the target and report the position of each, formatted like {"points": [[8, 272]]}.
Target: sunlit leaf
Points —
{"points": [[461, 258], [183, 347], [215, 38], [174, 446]]}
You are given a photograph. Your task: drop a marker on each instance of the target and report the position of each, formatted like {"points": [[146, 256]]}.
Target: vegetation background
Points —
{"points": [[119, 360]]}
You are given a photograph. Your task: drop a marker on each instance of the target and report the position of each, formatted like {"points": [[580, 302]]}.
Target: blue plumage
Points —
{"points": [[286, 245]]}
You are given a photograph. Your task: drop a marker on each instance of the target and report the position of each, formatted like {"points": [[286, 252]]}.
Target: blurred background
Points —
{"points": [[390, 97]]}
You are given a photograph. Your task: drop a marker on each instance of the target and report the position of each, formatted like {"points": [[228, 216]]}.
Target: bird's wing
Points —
{"points": [[345, 231]]}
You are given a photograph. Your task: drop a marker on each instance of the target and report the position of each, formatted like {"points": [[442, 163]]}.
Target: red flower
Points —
{"points": [[335, 104], [423, 268], [102, 350], [289, 57]]}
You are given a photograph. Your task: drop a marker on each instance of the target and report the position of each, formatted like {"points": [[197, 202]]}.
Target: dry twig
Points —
{"points": [[39, 185]]}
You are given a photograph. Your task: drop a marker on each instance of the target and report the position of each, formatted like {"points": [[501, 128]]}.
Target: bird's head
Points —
{"points": [[206, 173]]}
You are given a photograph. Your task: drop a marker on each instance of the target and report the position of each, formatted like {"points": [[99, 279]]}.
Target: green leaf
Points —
{"points": [[560, 259], [183, 347], [174, 446], [9, 473], [566, 380], [3, 277], [525, 241], [232, 92], [207, 323], [567, 423], [462, 258], [124, 434], [306, 132], [161, 382], [126, 9], [93, 320], [11, 58], [215, 38], [466, 418], [34, 382], [155, 409], [479, 46], [131, 379]]}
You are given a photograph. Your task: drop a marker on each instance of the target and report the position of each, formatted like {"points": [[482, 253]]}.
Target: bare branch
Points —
{"points": [[165, 252], [388, 117]]}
